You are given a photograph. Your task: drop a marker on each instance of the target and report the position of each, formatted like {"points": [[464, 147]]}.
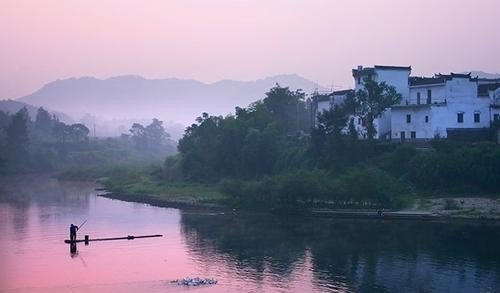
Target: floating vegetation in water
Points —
{"points": [[188, 281]]}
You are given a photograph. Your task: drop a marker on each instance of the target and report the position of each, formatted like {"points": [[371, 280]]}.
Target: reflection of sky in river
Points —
{"points": [[246, 253]]}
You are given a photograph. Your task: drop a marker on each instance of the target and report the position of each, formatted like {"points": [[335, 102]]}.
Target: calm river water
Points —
{"points": [[245, 253]]}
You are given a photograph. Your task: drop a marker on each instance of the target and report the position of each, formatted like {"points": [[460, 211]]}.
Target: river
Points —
{"points": [[244, 252]]}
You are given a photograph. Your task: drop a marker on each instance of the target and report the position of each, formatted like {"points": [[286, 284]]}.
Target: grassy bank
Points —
{"points": [[188, 192], [362, 190]]}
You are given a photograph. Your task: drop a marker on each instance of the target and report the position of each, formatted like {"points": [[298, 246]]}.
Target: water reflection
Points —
{"points": [[246, 253], [73, 252], [51, 196], [374, 256]]}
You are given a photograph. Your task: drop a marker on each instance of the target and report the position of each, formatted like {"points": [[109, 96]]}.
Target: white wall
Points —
{"points": [[328, 104], [460, 95], [394, 77], [457, 95], [397, 78], [438, 94], [383, 124], [423, 129], [440, 118], [323, 106]]}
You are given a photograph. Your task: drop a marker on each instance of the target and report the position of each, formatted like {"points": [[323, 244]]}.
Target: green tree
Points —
{"points": [[4, 120], [327, 138], [287, 109], [61, 131], [373, 100], [79, 132], [201, 148], [3, 149], [17, 132], [139, 136], [155, 134], [17, 135], [43, 121]]}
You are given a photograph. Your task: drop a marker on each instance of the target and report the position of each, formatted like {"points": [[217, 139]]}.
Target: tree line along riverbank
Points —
{"points": [[267, 157], [271, 156]]}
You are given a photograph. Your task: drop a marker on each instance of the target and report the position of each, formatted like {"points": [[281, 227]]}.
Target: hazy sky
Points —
{"points": [[209, 40]]}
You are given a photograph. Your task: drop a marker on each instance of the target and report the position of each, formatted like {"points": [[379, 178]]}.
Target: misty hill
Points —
{"points": [[11, 106], [168, 99]]}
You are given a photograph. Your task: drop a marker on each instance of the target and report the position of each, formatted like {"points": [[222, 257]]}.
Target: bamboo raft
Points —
{"points": [[129, 237]]}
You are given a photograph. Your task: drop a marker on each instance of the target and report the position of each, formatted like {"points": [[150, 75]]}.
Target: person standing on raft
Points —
{"points": [[72, 232]]}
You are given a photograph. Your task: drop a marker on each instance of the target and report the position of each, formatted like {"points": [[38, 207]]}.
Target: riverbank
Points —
{"points": [[187, 195], [461, 207], [178, 202], [164, 194]]}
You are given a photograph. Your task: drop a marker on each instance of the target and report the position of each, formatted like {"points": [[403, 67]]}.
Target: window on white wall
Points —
{"points": [[426, 119], [429, 96], [418, 98], [477, 117], [413, 134], [408, 118], [460, 117]]}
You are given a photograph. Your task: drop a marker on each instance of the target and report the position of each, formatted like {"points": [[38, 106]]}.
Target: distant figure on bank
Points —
{"points": [[72, 232]]}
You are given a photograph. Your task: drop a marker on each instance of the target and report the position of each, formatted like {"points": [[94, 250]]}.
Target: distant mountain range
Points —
{"points": [[112, 105], [172, 99]]}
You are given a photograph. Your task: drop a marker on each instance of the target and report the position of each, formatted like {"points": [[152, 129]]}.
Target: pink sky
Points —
{"points": [[209, 40]]}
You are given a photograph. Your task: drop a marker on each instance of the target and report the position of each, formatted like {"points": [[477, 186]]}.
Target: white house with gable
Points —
{"points": [[440, 106], [396, 76], [444, 105]]}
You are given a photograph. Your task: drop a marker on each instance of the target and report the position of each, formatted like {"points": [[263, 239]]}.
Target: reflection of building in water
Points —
{"points": [[446, 105]]}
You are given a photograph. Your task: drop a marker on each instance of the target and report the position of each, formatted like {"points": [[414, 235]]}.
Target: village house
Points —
{"points": [[445, 105]]}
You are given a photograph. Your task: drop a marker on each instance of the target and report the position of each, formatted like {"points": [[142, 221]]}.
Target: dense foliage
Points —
{"points": [[47, 144], [272, 154], [258, 140], [265, 156]]}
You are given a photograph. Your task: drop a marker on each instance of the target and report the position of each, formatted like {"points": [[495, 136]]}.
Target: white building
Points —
{"points": [[324, 102], [440, 106], [457, 105], [490, 88], [396, 76]]}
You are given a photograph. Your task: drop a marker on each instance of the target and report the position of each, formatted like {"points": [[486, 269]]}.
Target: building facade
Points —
{"points": [[445, 105]]}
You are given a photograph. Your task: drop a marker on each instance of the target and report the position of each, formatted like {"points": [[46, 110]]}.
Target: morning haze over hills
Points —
{"points": [[170, 99], [113, 104]]}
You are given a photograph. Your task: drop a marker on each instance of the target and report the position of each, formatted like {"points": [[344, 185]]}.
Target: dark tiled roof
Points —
{"points": [[363, 72], [321, 98], [456, 75], [326, 97], [343, 92], [483, 89], [393, 67], [416, 81], [371, 70]]}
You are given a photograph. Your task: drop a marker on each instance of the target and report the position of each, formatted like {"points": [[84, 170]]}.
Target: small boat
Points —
{"points": [[129, 237]]}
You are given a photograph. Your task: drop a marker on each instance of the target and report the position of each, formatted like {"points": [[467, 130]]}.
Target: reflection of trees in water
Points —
{"points": [[32, 196], [263, 244], [20, 220], [422, 256], [370, 256], [45, 192]]}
